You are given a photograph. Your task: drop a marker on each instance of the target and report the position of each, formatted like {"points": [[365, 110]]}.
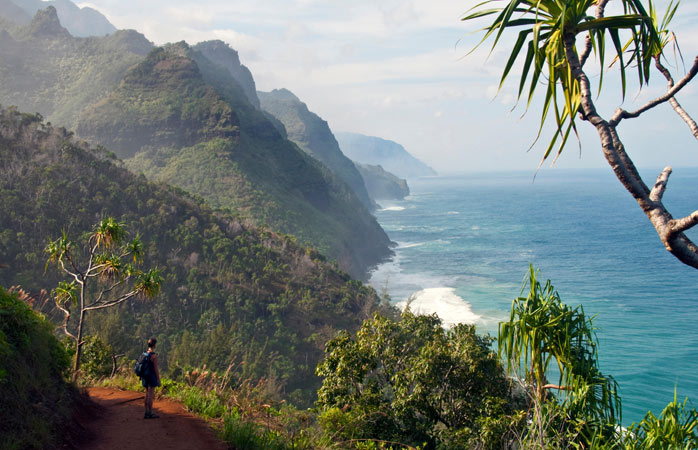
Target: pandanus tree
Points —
{"points": [[637, 38], [541, 332], [102, 272]]}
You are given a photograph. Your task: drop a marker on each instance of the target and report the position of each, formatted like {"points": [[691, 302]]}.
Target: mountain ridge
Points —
{"points": [[313, 135], [191, 124]]}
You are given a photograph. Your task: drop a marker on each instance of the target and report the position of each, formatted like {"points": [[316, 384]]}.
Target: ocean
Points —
{"points": [[464, 245]]}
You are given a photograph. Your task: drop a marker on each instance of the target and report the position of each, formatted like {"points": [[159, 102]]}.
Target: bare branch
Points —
{"points": [[555, 386], [672, 101], [587, 42], [105, 291], [621, 114], [74, 275], [683, 224], [64, 326], [121, 299], [657, 191], [72, 263]]}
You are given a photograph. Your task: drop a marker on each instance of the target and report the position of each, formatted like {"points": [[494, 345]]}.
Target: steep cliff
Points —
{"points": [[313, 135]]}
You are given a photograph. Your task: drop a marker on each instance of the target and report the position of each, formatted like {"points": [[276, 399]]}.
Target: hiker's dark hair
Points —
{"points": [[152, 342]]}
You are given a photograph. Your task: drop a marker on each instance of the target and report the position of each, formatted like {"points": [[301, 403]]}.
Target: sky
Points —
{"points": [[401, 70]]}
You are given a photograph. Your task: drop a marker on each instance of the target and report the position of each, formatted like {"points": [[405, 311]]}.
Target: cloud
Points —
{"points": [[396, 69]]}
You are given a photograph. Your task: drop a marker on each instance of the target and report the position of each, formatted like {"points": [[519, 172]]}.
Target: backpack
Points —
{"points": [[143, 365]]}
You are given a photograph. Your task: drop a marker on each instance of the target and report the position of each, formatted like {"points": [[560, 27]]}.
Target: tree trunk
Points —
{"points": [[78, 346], [78, 340]]}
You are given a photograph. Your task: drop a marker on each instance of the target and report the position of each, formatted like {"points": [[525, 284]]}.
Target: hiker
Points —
{"points": [[151, 379]]}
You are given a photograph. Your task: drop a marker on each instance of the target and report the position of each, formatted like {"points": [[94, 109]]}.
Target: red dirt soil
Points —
{"points": [[119, 425]]}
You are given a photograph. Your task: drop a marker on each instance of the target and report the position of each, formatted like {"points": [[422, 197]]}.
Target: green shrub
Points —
{"points": [[35, 399]]}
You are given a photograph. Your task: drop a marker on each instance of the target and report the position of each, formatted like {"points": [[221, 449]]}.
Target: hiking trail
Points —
{"points": [[118, 424]]}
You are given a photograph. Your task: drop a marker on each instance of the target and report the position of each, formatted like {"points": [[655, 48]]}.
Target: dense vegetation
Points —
{"points": [[409, 384], [313, 135], [184, 119], [35, 400], [231, 291], [44, 69]]}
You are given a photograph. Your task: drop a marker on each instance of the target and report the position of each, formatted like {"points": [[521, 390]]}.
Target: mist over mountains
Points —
{"points": [[182, 117], [80, 22]]}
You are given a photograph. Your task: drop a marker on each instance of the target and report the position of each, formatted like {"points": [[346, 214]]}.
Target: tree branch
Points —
{"points": [[101, 294], [66, 312], [672, 101], [74, 275], [600, 7], [670, 231], [121, 299], [621, 114], [683, 224], [657, 191], [555, 386]]}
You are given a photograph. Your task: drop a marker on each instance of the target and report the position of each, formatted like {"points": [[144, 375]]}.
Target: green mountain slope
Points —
{"points": [[184, 119], [232, 291], [383, 185], [44, 69], [196, 129], [219, 53], [313, 135], [381, 152]]}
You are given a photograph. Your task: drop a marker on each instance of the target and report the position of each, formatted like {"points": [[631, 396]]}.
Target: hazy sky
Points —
{"points": [[397, 69]]}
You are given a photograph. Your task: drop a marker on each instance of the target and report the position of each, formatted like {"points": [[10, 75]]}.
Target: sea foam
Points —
{"points": [[450, 308], [394, 208]]}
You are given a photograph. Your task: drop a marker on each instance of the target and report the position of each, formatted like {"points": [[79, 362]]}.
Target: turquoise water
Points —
{"points": [[477, 234]]}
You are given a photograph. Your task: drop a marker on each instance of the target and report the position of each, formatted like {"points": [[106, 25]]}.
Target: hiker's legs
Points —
{"points": [[149, 394]]}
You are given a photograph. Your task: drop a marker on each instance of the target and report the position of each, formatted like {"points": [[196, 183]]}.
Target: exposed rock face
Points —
{"points": [[46, 23], [382, 185], [313, 135], [381, 152], [220, 53]]}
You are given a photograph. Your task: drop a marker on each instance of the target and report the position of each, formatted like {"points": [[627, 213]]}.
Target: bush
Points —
{"points": [[35, 400]]}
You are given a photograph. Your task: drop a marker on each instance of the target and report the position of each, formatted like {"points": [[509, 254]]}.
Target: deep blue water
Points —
{"points": [[477, 234]]}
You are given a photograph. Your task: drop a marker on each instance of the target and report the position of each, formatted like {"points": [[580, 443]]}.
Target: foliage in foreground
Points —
{"points": [[410, 384], [35, 400], [413, 382]]}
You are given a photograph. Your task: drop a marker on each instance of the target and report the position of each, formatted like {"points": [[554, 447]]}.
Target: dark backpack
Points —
{"points": [[143, 365]]}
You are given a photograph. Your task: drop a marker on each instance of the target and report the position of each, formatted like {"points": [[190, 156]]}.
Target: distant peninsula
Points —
{"points": [[376, 151]]}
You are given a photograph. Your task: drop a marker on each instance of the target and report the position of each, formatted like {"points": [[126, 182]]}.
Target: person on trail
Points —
{"points": [[151, 379]]}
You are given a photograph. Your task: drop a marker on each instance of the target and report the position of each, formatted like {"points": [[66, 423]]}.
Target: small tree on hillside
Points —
{"points": [[548, 31], [102, 273], [543, 332]]}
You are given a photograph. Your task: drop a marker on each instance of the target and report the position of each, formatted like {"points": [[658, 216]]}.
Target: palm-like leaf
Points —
{"points": [[109, 266], [136, 249], [547, 26], [109, 232], [58, 249], [65, 293], [542, 329], [148, 283]]}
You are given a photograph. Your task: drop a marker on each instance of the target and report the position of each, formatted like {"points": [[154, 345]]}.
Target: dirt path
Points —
{"points": [[119, 425]]}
